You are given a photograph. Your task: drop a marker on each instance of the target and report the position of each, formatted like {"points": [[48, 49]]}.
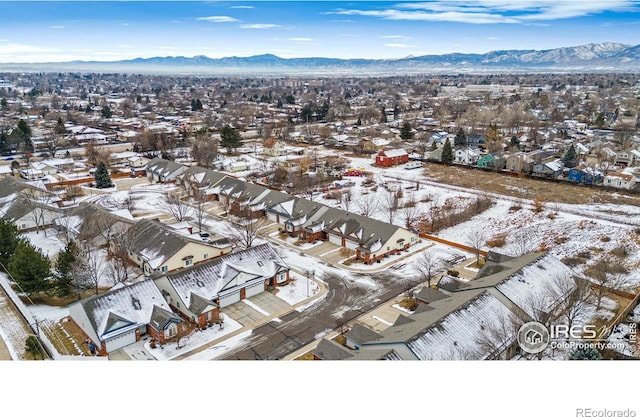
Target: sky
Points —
{"points": [[53, 31]]}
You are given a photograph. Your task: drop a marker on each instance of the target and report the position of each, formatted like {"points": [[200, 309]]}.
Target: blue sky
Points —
{"points": [[52, 31]]}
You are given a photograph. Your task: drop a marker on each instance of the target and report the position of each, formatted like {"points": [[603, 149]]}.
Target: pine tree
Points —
{"points": [[447, 153], [230, 138], [434, 146], [30, 268], [33, 346], [9, 239], [383, 115], [102, 176], [64, 268], [585, 354], [570, 159], [460, 140], [406, 131]]}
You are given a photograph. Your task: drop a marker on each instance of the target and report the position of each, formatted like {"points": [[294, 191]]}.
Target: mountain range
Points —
{"points": [[601, 57]]}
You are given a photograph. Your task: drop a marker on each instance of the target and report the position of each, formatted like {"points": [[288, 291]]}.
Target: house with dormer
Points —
{"points": [[120, 317], [157, 248], [199, 293], [162, 170]]}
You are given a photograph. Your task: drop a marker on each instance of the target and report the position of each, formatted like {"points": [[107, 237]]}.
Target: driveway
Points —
{"points": [[254, 311]]}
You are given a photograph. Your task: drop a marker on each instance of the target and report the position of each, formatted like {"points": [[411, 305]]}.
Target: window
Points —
{"points": [[165, 268], [281, 277], [205, 256], [188, 262], [171, 331], [260, 263]]}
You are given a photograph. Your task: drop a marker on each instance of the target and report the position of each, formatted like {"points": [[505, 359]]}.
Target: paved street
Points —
{"points": [[344, 301]]}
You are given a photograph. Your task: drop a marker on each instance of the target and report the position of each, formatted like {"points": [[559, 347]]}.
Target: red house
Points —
{"points": [[392, 157]]}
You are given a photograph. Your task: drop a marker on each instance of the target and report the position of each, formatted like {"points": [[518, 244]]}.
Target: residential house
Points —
{"points": [[157, 248], [492, 161], [551, 169], [585, 175], [31, 174], [120, 317], [475, 141], [162, 170], [94, 224], [519, 162], [624, 159], [273, 147], [29, 214], [391, 157], [623, 180], [466, 156], [479, 320], [199, 293]]}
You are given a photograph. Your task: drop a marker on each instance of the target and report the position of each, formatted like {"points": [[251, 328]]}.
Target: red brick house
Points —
{"points": [[392, 157]]}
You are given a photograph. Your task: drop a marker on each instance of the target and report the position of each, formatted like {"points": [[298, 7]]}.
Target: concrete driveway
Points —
{"points": [[266, 304]]}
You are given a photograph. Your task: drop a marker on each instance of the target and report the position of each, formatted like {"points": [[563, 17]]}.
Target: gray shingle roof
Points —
{"points": [[208, 279], [360, 334], [330, 351]]}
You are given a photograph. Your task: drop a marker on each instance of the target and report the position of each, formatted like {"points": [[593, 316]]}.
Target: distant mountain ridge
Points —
{"points": [[608, 56]]}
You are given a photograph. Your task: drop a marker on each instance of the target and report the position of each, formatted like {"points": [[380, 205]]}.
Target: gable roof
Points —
{"points": [[123, 309], [208, 279], [156, 242]]}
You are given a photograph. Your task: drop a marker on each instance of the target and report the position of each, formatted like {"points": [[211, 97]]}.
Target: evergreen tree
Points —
{"points": [[106, 112], [434, 146], [102, 176], [570, 158], [230, 138], [585, 354], [405, 131], [33, 346], [30, 268], [9, 239], [447, 153], [383, 115], [64, 267], [460, 140], [60, 129]]}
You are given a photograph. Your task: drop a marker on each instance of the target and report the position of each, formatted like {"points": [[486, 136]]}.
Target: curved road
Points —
{"points": [[345, 300]]}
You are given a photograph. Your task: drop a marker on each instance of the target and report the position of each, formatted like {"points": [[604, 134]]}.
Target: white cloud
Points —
{"points": [[242, 7], [301, 39], [56, 27], [494, 11], [218, 19], [398, 45], [401, 37], [260, 26]]}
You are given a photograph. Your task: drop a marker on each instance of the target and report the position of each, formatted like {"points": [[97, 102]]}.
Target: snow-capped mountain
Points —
{"points": [[607, 56]]}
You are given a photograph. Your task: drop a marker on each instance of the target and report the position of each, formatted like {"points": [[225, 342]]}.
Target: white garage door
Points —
{"points": [[335, 239], [121, 341], [228, 299], [351, 244], [255, 289], [271, 217]]}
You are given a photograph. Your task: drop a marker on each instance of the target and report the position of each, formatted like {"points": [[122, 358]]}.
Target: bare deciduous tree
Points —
{"points": [[176, 207], [428, 266], [245, 229], [368, 205], [476, 239]]}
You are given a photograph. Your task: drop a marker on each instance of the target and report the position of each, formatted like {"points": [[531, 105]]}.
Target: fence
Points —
{"points": [[453, 244], [28, 317]]}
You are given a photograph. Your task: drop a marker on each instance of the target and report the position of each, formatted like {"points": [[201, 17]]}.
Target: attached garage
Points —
{"points": [[255, 288], [120, 341], [230, 298], [351, 244], [335, 239]]}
